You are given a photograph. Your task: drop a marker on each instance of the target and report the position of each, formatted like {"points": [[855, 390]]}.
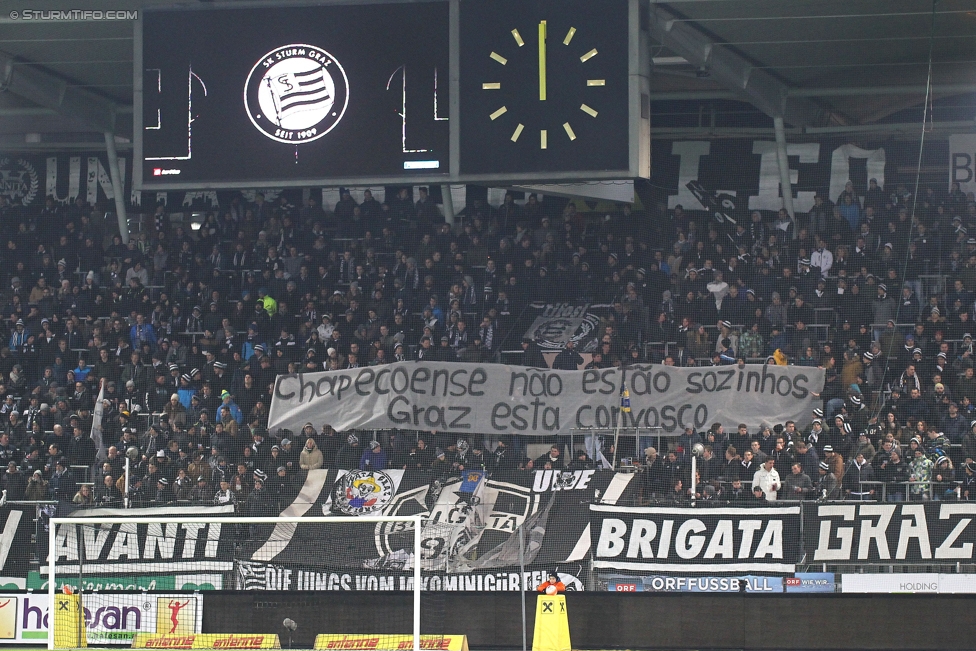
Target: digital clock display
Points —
{"points": [[544, 86]]}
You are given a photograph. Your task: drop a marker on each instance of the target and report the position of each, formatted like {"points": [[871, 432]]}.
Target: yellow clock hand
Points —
{"points": [[542, 60]]}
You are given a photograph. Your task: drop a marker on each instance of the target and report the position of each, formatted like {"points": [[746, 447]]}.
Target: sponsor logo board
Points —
{"points": [[110, 619], [394, 642], [710, 584], [800, 582], [206, 641], [810, 582], [908, 583], [155, 582], [8, 618]]}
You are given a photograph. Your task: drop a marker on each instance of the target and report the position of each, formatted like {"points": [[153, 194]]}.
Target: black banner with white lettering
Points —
{"points": [[270, 576], [469, 527], [940, 532], [15, 545], [26, 180], [198, 544], [702, 540], [745, 171]]}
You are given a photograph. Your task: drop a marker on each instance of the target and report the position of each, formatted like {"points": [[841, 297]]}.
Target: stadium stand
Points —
{"points": [[188, 329]]}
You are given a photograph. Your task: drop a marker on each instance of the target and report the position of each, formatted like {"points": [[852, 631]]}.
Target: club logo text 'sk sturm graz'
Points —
{"points": [[296, 93]]}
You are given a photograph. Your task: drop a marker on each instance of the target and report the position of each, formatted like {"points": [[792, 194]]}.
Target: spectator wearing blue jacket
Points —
{"points": [[82, 371], [374, 458], [235, 411], [850, 208], [186, 391], [142, 333], [251, 342]]}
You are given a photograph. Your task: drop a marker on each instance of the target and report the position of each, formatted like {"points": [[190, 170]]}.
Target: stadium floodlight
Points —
{"points": [[85, 546]]}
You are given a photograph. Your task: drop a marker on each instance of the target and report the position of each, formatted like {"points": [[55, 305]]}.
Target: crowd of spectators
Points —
{"points": [[186, 329], [783, 462]]}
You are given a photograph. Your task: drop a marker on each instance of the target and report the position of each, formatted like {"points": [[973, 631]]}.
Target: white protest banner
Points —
{"points": [[499, 399]]}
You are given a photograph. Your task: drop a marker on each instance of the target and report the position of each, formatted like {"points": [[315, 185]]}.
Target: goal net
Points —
{"points": [[113, 578]]}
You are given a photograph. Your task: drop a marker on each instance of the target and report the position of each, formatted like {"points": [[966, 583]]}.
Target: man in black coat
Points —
{"points": [[567, 359], [348, 455], [551, 460], [653, 478], [504, 461], [81, 448], [261, 503], [532, 354]]}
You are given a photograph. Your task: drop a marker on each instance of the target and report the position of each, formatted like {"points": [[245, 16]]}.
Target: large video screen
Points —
{"points": [[237, 96]]}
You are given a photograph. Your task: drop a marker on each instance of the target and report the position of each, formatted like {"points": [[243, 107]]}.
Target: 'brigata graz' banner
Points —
{"points": [[500, 399], [890, 533], [702, 540]]}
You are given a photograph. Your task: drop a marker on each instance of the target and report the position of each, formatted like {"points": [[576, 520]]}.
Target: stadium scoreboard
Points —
{"points": [[448, 91]]}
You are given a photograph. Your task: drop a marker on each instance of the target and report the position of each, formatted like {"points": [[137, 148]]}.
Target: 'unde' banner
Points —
{"points": [[499, 399]]}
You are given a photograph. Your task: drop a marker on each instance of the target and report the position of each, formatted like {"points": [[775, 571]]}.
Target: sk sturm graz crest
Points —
{"points": [[296, 93], [562, 322], [360, 492]]}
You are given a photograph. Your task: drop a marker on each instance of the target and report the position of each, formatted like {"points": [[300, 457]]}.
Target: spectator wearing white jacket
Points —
{"points": [[718, 289], [822, 259], [768, 479]]}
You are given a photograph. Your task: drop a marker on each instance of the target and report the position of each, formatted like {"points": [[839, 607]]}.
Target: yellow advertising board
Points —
{"points": [[551, 624], [206, 641], [69, 622], [339, 642]]}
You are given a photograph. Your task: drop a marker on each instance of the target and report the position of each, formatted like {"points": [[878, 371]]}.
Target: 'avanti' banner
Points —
{"points": [[500, 399], [120, 548]]}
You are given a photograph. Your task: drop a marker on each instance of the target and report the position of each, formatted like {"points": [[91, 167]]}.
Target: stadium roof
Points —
{"points": [[831, 64]]}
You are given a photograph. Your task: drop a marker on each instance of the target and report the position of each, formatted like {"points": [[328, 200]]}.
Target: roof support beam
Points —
{"points": [[37, 111], [731, 70], [941, 90], [786, 186], [909, 129], [937, 89], [18, 144], [118, 188], [52, 92], [695, 95]]}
